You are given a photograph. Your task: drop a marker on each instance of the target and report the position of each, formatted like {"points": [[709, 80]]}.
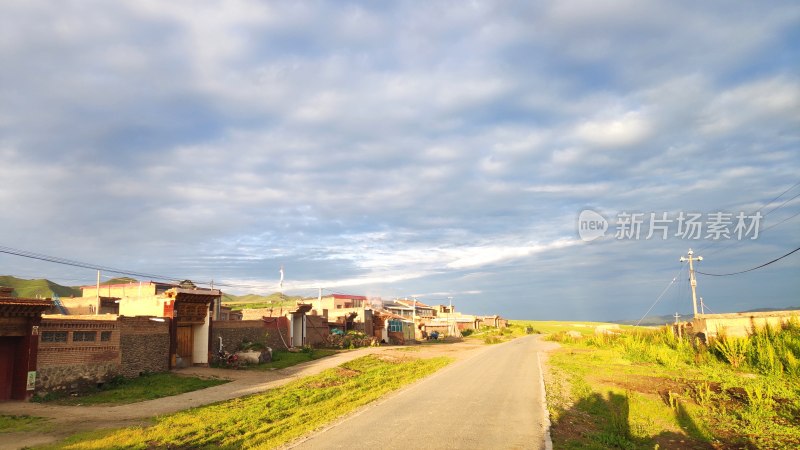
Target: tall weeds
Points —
{"points": [[767, 350]]}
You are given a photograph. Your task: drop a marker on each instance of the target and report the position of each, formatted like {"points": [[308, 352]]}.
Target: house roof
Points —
{"points": [[349, 297], [396, 305], [418, 303], [132, 283], [13, 306], [392, 315]]}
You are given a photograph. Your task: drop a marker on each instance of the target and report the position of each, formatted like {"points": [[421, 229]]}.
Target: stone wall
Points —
{"points": [[234, 332], [75, 364], [144, 345]]}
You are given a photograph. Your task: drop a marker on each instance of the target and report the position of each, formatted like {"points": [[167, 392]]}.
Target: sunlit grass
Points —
{"points": [[12, 424], [123, 390], [270, 419], [671, 391], [283, 359]]}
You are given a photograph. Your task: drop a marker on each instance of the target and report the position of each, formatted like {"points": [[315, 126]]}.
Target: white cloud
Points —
{"points": [[626, 130]]}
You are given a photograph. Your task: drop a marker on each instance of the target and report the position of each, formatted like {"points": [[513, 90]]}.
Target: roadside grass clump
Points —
{"points": [[15, 424], [120, 390], [269, 419], [282, 358]]}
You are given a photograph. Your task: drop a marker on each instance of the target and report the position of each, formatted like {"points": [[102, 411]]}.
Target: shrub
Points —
{"points": [[733, 350]]}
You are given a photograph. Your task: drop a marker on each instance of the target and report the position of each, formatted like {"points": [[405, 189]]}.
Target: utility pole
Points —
{"points": [[414, 317], [677, 324], [97, 310], [692, 279], [702, 306], [449, 315]]}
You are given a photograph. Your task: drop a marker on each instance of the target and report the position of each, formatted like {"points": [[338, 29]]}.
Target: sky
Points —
{"points": [[432, 149]]}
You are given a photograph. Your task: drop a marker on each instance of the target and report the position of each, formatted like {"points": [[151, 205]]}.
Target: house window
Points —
{"points": [[395, 325], [105, 335], [84, 336], [54, 336]]}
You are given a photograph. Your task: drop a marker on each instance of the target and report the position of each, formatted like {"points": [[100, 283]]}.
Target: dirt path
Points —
{"points": [[67, 420]]}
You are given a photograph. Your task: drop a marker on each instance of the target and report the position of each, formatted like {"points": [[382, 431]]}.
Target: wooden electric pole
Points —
{"points": [[692, 280]]}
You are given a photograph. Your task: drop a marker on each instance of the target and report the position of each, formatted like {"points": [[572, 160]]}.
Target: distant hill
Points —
{"points": [[46, 288], [120, 280], [37, 288], [259, 301]]}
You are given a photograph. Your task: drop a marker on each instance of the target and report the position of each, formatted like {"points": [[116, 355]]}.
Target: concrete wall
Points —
{"points": [[258, 313], [200, 341], [739, 324], [75, 365], [144, 345], [143, 306], [121, 290]]}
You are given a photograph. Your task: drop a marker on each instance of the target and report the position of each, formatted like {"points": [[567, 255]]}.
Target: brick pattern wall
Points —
{"points": [[233, 332], [74, 365], [144, 346]]}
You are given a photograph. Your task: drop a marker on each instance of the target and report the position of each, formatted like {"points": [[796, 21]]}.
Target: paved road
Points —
{"points": [[490, 400]]}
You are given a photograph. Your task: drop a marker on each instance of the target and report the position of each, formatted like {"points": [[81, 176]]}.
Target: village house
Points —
{"points": [[345, 312], [20, 321]]}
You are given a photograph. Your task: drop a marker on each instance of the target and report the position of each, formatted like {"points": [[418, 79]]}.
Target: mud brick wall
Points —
{"points": [[144, 346], [234, 332], [75, 365]]}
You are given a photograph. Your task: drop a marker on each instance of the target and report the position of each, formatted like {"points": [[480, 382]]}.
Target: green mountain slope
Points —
{"points": [[259, 301], [41, 288]]}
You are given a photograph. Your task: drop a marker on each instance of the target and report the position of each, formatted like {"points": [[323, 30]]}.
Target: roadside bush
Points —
{"points": [[352, 339], [465, 333], [491, 340]]}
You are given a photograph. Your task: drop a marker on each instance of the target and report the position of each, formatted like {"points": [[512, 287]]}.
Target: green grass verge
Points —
{"points": [[283, 359], [121, 391], [646, 388], [12, 424], [270, 419]]}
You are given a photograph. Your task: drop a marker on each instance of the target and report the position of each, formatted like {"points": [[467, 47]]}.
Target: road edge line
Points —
{"points": [[548, 441]]}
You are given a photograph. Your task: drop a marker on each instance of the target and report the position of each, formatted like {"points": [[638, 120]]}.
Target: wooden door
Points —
{"points": [[8, 353], [185, 343]]}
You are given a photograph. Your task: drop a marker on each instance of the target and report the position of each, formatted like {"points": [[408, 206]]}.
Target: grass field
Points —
{"points": [[37, 288], [644, 387], [146, 387], [12, 424], [272, 418]]}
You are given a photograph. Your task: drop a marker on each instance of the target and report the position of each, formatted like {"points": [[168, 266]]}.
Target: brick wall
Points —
{"points": [[144, 345], [75, 365], [233, 332]]}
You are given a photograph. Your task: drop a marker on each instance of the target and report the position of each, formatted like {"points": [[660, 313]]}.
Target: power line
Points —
{"points": [[69, 262], [85, 265], [751, 269], [707, 245], [659, 297]]}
